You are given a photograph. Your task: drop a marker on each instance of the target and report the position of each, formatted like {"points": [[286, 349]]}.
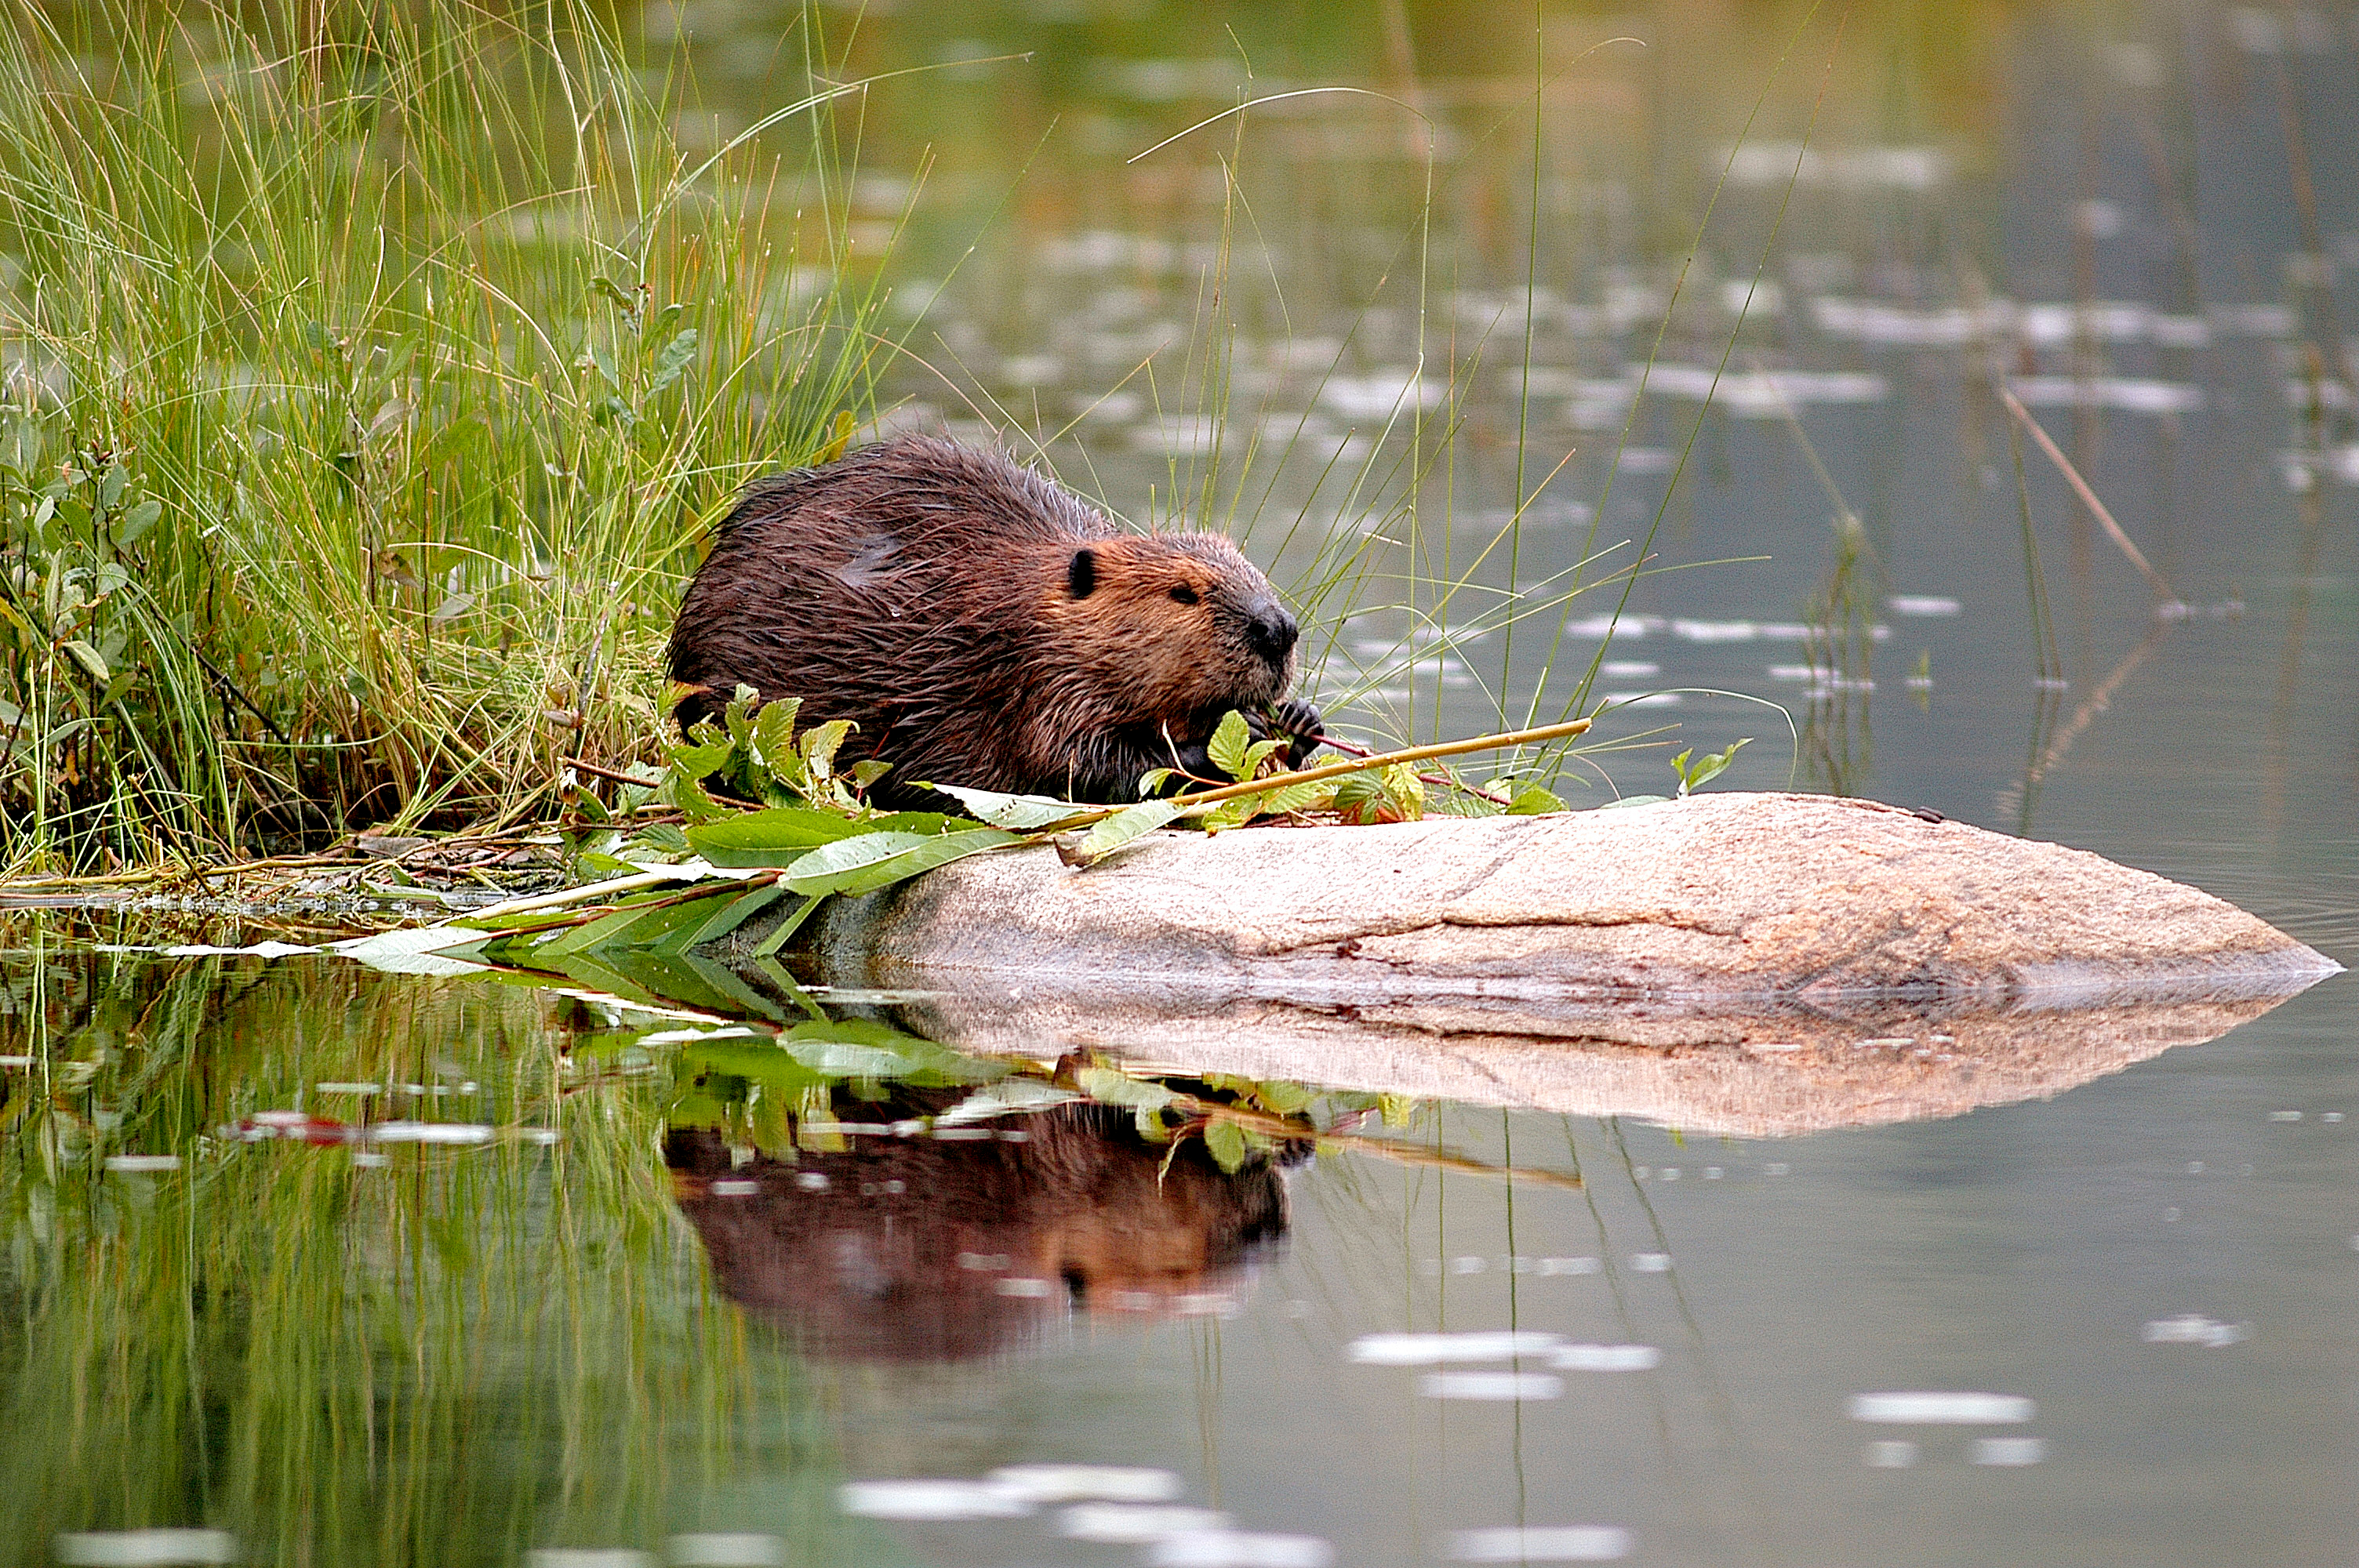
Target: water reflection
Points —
{"points": [[908, 1241]]}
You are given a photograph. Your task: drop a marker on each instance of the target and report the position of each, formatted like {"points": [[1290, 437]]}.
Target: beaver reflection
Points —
{"points": [[938, 1248]]}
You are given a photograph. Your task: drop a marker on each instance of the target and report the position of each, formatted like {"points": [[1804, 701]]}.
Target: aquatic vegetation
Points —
{"points": [[364, 380], [319, 1267]]}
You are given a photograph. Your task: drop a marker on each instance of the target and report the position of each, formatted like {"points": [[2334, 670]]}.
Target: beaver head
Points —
{"points": [[1173, 624]]}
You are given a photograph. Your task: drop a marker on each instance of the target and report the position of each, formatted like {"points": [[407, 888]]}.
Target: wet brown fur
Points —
{"points": [[893, 1250], [925, 591]]}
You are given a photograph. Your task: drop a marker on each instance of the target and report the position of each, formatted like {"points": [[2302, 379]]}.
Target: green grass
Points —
{"points": [[364, 377]]}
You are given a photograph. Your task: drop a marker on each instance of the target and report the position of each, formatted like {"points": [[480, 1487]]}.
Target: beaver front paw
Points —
{"points": [[1294, 722]]}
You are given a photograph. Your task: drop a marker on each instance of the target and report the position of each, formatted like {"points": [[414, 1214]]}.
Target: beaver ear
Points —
{"points": [[1081, 577]]}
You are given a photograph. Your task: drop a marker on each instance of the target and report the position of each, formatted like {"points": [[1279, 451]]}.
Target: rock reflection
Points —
{"points": [[949, 1246]]}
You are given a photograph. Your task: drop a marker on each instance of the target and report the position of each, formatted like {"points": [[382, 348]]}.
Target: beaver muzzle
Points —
{"points": [[1271, 633]]}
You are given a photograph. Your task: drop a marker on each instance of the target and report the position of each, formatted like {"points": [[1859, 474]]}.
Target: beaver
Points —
{"points": [[895, 1249], [982, 625]]}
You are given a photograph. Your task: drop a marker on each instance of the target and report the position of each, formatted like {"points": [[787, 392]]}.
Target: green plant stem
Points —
{"points": [[1363, 765]]}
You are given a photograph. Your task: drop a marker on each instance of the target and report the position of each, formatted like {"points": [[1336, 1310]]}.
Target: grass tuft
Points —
{"points": [[366, 375]]}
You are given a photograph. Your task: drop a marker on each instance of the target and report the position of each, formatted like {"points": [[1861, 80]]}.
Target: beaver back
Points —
{"points": [[979, 623]]}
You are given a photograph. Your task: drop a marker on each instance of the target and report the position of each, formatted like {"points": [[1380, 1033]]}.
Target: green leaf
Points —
{"points": [[625, 927], [1281, 1097], [1108, 1087], [1711, 767], [1533, 801], [775, 837], [1124, 825], [662, 838], [736, 912], [674, 359], [1226, 1142], [740, 727], [875, 860], [782, 932], [1633, 800], [1292, 797], [1025, 812], [693, 802], [1258, 754], [819, 746], [138, 521], [1230, 814], [89, 658], [917, 822], [774, 740], [1227, 746], [866, 772], [693, 760]]}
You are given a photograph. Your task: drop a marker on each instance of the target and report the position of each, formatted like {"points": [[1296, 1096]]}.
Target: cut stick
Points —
{"points": [[1381, 759]]}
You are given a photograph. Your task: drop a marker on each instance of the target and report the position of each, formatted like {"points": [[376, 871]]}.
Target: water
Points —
{"points": [[602, 1311]]}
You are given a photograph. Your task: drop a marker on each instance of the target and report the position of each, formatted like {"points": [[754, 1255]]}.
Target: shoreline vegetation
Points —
{"points": [[368, 384], [366, 380]]}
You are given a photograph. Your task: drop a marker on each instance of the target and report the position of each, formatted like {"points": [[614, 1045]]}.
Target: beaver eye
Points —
{"points": [[1184, 594]]}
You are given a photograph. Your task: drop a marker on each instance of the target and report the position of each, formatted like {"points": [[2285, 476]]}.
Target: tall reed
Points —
{"points": [[367, 372]]}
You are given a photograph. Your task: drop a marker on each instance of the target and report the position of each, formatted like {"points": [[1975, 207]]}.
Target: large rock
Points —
{"points": [[1752, 963], [1705, 903]]}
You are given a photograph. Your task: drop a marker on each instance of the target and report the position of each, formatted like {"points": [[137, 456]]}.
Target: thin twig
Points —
{"points": [[1445, 780], [1381, 759], [2089, 498], [596, 772]]}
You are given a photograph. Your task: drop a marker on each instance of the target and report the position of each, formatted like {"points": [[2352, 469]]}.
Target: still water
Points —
{"points": [[578, 1291]]}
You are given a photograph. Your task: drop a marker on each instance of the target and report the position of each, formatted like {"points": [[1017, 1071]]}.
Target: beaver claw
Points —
{"points": [[1294, 722]]}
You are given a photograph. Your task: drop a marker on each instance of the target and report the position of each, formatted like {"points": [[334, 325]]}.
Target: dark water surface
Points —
{"points": [[604, 1309]]}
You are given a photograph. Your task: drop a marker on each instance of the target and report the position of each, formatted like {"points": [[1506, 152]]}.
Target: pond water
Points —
{"points": [[579, 1292]]}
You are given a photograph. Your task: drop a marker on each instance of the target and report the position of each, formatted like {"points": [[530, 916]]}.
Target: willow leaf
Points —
{"points": [[772, 838], [1129, 823], [876, 861], [1023, 813]]}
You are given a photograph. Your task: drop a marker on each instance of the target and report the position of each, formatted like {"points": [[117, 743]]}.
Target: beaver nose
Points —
{"points": [[1273, 634]]}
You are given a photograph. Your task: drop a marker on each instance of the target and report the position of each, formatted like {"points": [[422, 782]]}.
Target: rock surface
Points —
{"points": [[1712, 901], [1752, 963]]}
